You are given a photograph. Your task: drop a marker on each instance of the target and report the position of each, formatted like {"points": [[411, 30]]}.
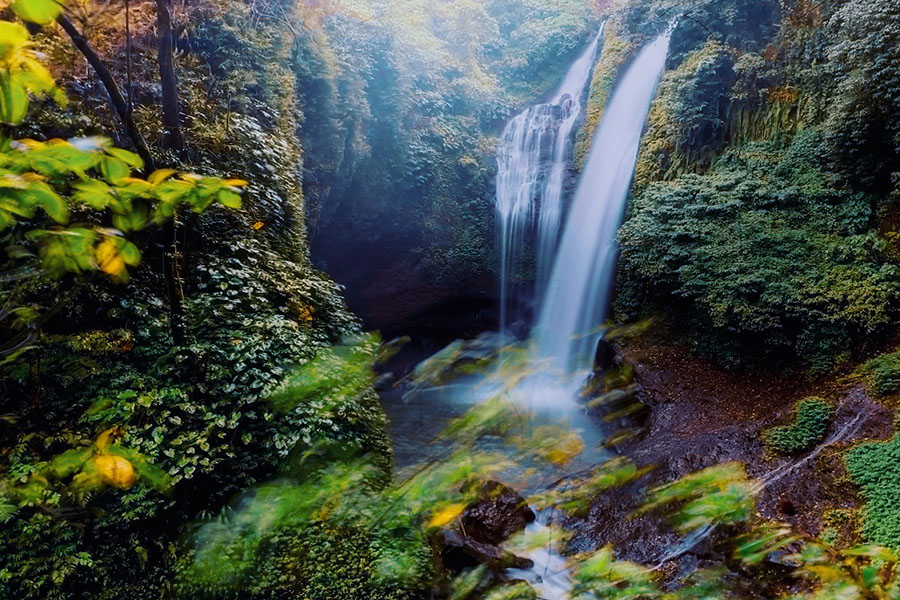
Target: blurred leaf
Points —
{"points": [[41, 12], [446, 515]]}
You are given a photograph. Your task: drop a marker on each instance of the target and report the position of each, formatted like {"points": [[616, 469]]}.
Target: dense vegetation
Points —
{"points": [[171, 371], [754, 220], [810, 422], [188, 407], [873, 467]]}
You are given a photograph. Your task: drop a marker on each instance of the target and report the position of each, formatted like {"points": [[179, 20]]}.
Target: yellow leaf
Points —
{"points": [[161, 175], [446, 515], [108, 437], [258, 225], [235, 182], [115, 471], [108, 258]]}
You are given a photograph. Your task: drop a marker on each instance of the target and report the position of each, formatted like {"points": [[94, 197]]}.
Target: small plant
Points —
{"points": [[811, 419], [884, 373]]}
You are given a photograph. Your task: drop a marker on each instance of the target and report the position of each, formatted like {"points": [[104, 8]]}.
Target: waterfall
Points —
{"points": [[580, 286], [531, 165]]}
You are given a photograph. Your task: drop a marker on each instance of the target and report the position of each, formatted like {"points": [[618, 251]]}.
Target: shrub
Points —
{"points": [[875, 467], [767, 254], [884, 373], [811, 418]]}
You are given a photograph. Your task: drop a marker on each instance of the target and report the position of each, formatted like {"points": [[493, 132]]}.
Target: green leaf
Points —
{"points": [[129, 158], [132, 220], [41, 12], [13, 100], [130, 254], [229, 199], [54, 205], [96, 194], [170, 191], [114, 169]]}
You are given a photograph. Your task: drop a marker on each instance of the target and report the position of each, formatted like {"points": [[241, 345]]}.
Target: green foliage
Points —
{"points": [[720, 495], [212, 436], [37, 174], [21, 70], [863, 122], [576, 495], [602, 576], [811, 419], [816, 77], [612, 55], [41, 12], [858, 572], [766, 254], [875, 468], [687, 120], [883, 373]]}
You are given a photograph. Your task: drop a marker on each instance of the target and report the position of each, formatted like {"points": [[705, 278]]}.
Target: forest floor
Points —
{"points": [[701, 415]]}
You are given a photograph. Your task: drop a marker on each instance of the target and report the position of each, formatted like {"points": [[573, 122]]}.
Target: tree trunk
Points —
{"points": [[115, 95], [172, 140], [166, 57]]}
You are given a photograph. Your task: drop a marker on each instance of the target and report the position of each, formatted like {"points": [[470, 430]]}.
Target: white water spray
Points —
{"points": [[532, 160]]}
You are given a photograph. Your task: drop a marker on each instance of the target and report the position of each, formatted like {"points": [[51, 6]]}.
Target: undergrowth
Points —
{"points": [[811, 419], [875, 467], [883, 373]]}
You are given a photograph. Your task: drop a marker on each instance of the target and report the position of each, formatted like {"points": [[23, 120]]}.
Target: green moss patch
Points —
{"points": [[811, 419], [875, 467], [883, 373]]}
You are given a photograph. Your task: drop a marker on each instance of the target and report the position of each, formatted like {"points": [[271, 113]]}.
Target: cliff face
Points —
{"points": [[254, 309], [764, 175], [402, 118]]}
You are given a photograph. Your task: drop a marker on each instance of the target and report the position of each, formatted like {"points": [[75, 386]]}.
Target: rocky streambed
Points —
{"points": [[690, 415]]}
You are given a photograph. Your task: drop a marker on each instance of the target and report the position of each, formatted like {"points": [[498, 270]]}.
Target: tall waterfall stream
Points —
{"points": [[579, 288], [532, 161]]}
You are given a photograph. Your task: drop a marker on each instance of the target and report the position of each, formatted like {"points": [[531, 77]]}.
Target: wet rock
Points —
{"points": [[460, 552], [483, 526], [500, 513], [783, 558], [604, 356]]}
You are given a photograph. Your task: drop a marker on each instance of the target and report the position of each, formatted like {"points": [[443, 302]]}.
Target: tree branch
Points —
{"points": [[115, 95]]}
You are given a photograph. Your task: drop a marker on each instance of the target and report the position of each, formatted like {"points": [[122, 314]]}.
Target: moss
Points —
{"points": [[811, 419], [613, 55], [875, 468], [841, 527], [686, 124], [883, 373], [767, 258], [316, 562]]}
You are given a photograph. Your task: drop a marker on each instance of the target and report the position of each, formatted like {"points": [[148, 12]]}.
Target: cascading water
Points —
{"points": [[579, 286], [582, 276], [531, 166], [579, 290]]}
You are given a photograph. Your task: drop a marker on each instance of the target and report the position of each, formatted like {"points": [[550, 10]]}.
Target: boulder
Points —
{"points": [[604, 356], [459, 552], [499, 513]]}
